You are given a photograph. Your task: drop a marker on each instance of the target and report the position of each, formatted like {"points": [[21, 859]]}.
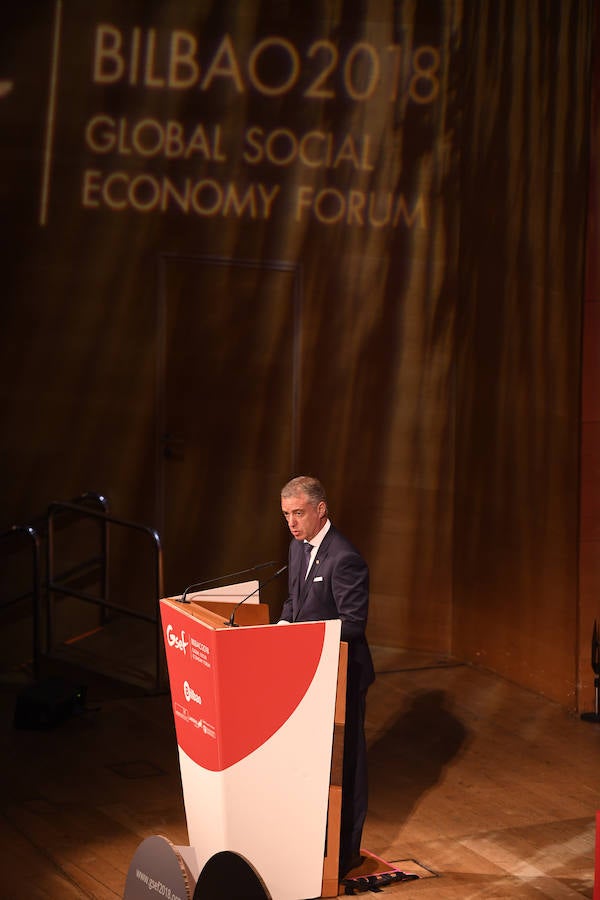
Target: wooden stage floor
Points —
{"points": [[487, 790]]}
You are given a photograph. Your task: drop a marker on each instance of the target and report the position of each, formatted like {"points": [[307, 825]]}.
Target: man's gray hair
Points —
{"points": [[305, 484]]}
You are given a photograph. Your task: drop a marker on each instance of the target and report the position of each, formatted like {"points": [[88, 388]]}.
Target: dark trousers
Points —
{"points": [[354, 777]]}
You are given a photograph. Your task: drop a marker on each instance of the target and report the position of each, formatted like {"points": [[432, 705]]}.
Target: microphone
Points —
{"points": [[199, 584], [232, 623]]}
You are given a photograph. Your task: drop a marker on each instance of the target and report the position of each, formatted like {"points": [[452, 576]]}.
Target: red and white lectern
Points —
{"points": [[255, 710]]}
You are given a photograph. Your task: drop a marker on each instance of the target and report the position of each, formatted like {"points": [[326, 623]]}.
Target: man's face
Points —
{"points": [[303, 517]]}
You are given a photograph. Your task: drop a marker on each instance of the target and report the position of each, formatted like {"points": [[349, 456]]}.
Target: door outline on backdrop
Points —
{"points": [[164, 259]]}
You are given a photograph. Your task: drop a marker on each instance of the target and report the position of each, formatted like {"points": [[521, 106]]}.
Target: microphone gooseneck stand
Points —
{"points": [[199, 584], [232, 623]]}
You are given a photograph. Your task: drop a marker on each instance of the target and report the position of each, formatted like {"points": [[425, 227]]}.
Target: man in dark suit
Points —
{"points": [[329, 579]]}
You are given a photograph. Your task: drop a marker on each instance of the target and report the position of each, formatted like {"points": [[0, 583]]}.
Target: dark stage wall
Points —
{"points": [[246, 240]]}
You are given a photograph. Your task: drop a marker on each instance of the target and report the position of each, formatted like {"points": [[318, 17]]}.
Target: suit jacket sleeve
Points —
{"points": [[350, 585]]}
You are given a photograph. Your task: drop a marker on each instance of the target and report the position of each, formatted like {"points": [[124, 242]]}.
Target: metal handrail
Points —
{"points": [[33, 536], [103, 601], [102, 502]]}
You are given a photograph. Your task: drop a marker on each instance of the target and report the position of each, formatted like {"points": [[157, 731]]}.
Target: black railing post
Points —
{"points": [[103, 503], [595, 716], [159, 592]]}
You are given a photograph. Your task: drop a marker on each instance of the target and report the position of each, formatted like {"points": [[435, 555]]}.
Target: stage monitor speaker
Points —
{"points": [[49, 703]]}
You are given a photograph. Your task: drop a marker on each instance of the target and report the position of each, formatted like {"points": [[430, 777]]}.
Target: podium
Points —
{"points": [[258, 712]]}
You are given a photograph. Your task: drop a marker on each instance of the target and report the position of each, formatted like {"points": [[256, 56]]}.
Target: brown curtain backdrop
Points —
{"points": [[589, 548], [524, 177], [248, 240]]}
